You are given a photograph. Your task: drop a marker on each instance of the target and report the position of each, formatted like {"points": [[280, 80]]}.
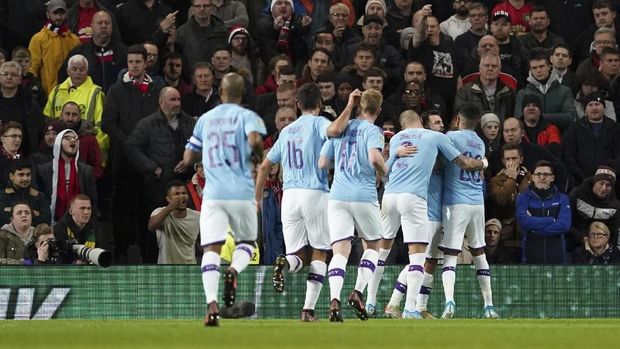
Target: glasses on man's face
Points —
{"points": [[543, 175], [414, 92], [14, 136], [69, 138], [11, 75], [341, 15], [597, 235]]}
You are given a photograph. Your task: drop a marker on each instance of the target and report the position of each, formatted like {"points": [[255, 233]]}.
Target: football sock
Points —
{"points": [[483, 274], [448, 276], [400, 288], [335, 274], [210, 268], [241, 257], [294, 263], [314, 283], [425, 291], [367, 267], [415, 277], [375, 279]]}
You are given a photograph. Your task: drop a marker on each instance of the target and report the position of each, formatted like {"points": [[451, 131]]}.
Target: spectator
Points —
{"points": [[196, 185], [52, 175], [591, 141], [79, 88], [327, 86], [372, 7], [244, 54], [543, 215], [603, 38], [201, 33], [561, 59], [271, 81], [282, 31], [537, 129], [155, 146], [459, 22], [415, 71], [540, 36], [90, 153], [604, 14], [587, 84], [398, 17], [269, 104], [106, 55], [595, 200], [80, 17], [231, 12], [489, 133], [14, 236], [488, 92], [318, 63], [363, 60], [343, 36], [20, 189], [221, 59], [11, 135], [343, 83], [284, 117], [46, 149], [139, 20], [510, 49], [495, 250], [18, 106], [503, 189], [204, 97], [37, 251], [78, 224], [557, 101], [29, 83], [518, 11], [610, 70], [468, 41], [173, 71], [596, 248], [375, 79], [50, 46], [175, 226]]}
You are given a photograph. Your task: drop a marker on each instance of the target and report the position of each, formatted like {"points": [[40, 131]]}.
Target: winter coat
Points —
{"points": [[557, 100], [611, 255], [12, 244], [473, 92], [39, 205], [139, 23], [197, 43], [543, 221]]}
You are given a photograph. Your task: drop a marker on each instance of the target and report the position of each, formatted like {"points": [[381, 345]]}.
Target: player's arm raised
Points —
{"points": [[338, 126], [469, 164]]}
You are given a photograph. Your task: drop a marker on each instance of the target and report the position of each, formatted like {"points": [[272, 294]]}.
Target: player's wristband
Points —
{"points": [[485, 163]]}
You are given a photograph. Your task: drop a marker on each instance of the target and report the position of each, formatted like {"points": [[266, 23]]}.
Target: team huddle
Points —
{"points": [[433, 190]]}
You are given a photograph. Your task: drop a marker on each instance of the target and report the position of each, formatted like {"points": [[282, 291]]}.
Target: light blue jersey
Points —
{"points": [[460, 186], [221, 134], [354, 176], [298, 149], [433, 201], [411, 174]]}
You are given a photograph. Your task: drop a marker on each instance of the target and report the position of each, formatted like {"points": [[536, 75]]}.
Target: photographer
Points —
{"points": [[77, 223], [15, 235], [43, 248]]}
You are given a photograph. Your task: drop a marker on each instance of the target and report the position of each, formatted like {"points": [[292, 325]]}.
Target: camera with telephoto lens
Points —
{"points": [[95, 256]]}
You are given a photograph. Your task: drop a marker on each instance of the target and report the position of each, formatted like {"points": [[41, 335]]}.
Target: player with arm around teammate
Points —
{"points": [[306, 191], [226, 136]]}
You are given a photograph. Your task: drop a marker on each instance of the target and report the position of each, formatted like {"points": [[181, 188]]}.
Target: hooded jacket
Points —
{"points": [[48, 175], [12, 244], [545, 134]]}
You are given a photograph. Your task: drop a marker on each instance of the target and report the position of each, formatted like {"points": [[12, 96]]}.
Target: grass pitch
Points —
{"points": [[284, 334]]}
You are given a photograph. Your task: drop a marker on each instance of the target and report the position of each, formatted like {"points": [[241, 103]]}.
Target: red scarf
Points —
{"points": [[56, 29], [64, 194]]}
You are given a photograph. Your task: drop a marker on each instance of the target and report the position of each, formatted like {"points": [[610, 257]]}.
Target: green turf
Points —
{"points": [[284, 334]]}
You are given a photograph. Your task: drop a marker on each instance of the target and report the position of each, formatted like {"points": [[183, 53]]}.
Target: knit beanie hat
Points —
{"points": [[488, 117]]}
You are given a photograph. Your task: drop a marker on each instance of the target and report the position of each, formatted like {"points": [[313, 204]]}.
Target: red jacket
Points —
{"points": [[548, 134]]}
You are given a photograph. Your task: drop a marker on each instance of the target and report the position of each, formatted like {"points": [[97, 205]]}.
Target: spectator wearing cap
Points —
{"points": [[544, 217], [597, 248], [487, 91], [244, 53], [591, 141], [595, 200], [458, 23], [519, 13], [30, 83], [510, 49], [20, 189], [490, 133], [557, 102], [232, 13], [17, 105], [539, 35], [372, 7], [51, 45], [282, 31], [52, 129], [537, 129], [495, 250], [201, 33], [503, 189]]}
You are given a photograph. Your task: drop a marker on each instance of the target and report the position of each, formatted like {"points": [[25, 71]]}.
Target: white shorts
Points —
{"points": [[460, 220], [436, 234], [304, 219], [344, 217], [408, 210], [217, 215]]}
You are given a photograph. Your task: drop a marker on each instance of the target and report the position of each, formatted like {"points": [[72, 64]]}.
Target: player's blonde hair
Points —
{"points": [[371, 101]]}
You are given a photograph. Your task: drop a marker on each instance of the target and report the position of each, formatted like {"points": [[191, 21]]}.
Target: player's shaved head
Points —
{"points": [[232, 88], [408, 117], [371, 101]]}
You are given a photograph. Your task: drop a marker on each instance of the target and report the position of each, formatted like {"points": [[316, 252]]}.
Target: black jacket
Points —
{"points": [[139, 23], [37, 201], [25, 110], [86, 179], [584, 152]]}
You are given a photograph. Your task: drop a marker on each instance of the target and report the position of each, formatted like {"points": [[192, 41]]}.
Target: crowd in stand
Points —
{"points": [[99, 97]]}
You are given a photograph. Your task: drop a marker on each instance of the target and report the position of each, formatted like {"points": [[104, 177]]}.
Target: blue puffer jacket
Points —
{"points": [[543, 222]]}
